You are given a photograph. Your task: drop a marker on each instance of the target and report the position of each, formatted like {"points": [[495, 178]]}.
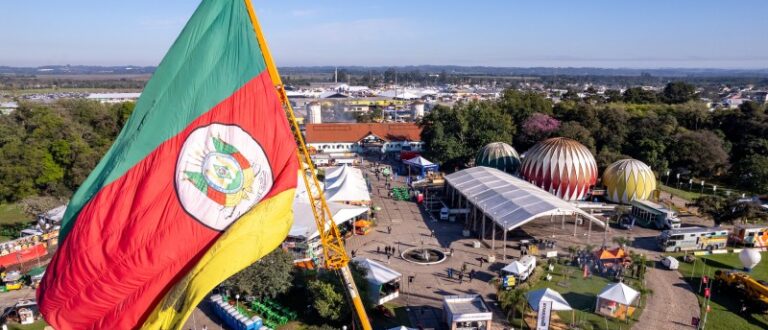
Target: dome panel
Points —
{"points": [[570, 165], [499, 155], [627, 180]]}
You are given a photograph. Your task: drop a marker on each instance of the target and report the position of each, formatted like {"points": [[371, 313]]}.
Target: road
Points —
{"points": [[672, 304]]}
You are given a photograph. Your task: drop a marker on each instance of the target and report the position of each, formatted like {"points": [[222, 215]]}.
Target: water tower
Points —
{"points": [[417, 109], [313, 112]]}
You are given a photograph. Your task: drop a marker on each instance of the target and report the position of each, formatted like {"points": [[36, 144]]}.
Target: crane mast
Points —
{"points": [[334, 254]]}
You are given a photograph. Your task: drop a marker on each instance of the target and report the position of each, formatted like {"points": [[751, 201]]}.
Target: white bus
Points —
{"points": [[693, 238]]}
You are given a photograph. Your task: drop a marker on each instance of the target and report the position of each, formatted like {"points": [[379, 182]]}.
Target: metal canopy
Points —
{"points": [[509, 201]]}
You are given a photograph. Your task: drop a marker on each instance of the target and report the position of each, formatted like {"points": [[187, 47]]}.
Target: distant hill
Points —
{"points": [[452, 69], [76, 70]]}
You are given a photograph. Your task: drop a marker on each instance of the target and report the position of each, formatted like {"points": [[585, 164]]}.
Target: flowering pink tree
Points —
{"points": [[538, 127]]}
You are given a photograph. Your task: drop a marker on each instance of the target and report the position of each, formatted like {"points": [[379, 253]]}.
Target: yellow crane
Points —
{"points": [[754, 289], [334, 254]]}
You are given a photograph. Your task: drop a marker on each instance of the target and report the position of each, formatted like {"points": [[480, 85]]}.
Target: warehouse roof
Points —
{"points": [[509, 201]]}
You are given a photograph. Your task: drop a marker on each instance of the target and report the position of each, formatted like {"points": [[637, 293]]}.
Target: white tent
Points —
{"points": [[346, 184], [509, 201], [54, 215], [514, 267], [377, 273], [383, 282], [620, 293], [547, 294], [420, 161], [304, 220], [521, 268], [670, 262]]}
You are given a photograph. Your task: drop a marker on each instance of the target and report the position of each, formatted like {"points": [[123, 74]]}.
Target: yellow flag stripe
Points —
{"points": [[255, 234]]}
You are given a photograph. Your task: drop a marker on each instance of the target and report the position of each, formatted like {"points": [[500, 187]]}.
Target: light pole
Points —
{"points": [[678, 180], [702, 186], [237, 301], [666, 183]]}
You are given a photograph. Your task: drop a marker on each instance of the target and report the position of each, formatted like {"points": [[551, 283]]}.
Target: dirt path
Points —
{"points": [[672, 304]]}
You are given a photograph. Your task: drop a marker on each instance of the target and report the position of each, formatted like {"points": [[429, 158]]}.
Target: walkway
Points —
{"points": [[672, 305]]}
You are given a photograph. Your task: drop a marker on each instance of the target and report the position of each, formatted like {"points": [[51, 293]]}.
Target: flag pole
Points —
{"points": [[336, 257]]}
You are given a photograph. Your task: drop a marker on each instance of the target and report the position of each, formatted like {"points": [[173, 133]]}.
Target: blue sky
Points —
{"points": [[636, 34]]}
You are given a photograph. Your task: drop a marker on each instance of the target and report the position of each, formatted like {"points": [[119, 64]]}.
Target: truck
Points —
{"points": [[750, 235], [692, 238], [446, 212], [652, 215]]}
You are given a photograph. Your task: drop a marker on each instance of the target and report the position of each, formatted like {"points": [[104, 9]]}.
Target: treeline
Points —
{"points": [[681, 135], [49, 149], [11, 83]]}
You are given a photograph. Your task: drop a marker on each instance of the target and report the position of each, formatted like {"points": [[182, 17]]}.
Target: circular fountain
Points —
{"points": [[423, 255]]}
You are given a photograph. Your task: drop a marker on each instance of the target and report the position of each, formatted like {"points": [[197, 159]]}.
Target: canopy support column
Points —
{"points": [[482, 232], [505, 243], [562, 222], [575, 223], [493, 237]]}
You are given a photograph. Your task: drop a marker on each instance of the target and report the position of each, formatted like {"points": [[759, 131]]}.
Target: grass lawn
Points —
{"points": [[39, 325], [725, 304], [581, 294], [687, 195], [379, 321], [11, 214]]}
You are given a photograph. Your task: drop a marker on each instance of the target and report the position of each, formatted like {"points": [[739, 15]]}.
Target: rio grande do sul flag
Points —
{"points": [[198, 185]]}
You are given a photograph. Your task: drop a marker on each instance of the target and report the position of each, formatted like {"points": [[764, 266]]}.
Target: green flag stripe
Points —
{"points": [[215, 54]]}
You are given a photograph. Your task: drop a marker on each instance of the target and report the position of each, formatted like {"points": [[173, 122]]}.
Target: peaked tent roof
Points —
{"points": [[510, 201], [514, 267], [346, 184], [420, 161], [616, 253], [620, 293], [303, 218], [377, 273], [558, 302]]}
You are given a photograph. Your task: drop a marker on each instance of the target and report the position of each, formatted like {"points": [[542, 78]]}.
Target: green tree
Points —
{"points": [[702, 152], [327, 300], [574, 130], [639, 95], [729, 210], [453, 135], [267, 277], [678, 92], [752, 172], [521, 105]]}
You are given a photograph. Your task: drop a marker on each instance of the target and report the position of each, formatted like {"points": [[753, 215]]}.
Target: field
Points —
{"points": [[11, 215], [581, 294], [687, 195], [38, 325], [725, 305]]}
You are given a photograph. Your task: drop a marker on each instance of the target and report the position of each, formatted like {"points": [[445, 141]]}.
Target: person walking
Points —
{"points": [[389, 229], [471, 275], [378, 249], [481, 262], [461, 277], [450, 272]]}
